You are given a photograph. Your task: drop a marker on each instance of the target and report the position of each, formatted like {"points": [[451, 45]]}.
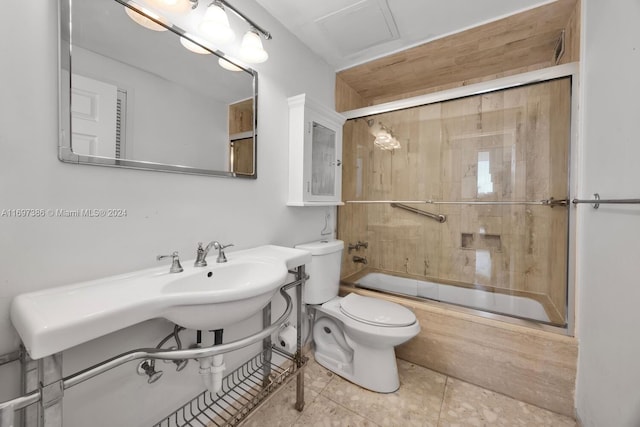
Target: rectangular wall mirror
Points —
{"points": [[136, 97]]}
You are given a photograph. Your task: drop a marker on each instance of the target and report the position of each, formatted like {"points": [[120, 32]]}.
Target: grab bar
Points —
{"points": [[437, 217], [597, 201], [8, 407], [544, 202]]}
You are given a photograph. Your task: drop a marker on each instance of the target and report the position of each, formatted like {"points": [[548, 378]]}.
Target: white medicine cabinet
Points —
{"points": [[315, 153]]}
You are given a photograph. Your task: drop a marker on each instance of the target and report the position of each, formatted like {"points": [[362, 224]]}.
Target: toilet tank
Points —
{"points": [[323, 271]]}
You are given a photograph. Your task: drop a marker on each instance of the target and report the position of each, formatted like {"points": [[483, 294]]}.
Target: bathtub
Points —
{"points": [[528, 360], [494, 302]]}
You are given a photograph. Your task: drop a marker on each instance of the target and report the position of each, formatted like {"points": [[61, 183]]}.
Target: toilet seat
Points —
{"points": [[376, 312]]}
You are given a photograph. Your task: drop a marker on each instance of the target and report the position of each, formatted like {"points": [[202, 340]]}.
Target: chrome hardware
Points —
{"points": [[555, 202], [180, 364], [148, 367], [551, 202], [202, 253], [360, 259], [595, 203], [175, 262], [437, 217], [221, 256], [357, 246]]}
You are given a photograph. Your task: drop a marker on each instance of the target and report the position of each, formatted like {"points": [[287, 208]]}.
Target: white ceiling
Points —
{"points": [[350, 32]]}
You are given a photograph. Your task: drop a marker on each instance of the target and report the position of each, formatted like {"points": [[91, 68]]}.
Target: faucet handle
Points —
{"points": [[175, 262], [220, 246], [221, 256]]}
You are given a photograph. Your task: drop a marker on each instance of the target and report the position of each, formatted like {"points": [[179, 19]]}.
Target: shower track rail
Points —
{"points": [[551, 202], [545, 202], [50, 387]]}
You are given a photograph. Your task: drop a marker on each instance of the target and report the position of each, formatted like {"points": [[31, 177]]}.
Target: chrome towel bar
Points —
{"points": [[597, 201]]}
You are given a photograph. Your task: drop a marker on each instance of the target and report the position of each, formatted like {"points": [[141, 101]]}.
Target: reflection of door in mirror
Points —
{"points": [[241, 138], [323, 161], [93, 117]]}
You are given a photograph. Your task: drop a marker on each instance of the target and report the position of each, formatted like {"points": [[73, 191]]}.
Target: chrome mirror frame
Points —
{"points": [[65, 152]]}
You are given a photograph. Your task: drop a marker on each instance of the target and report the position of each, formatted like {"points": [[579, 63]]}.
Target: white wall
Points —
{"points": [[189, 129], [166, 212], [608, 310]]}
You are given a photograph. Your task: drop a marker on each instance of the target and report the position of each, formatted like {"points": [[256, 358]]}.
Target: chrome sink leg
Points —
{"points": [[300, 275], [266, 345], [44, 375]]}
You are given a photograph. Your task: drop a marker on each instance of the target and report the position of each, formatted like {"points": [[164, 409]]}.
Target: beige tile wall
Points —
{"points": [[523, 133]]}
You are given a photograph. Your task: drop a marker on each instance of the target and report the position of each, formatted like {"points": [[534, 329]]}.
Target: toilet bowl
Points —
{"points": [[354, 336], [362, 349]]}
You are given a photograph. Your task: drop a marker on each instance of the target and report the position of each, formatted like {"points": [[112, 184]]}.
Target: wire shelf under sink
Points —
{"points": [[242, 391]]}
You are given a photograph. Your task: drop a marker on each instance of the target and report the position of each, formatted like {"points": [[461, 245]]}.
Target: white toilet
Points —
{"points": [[354, 336]]}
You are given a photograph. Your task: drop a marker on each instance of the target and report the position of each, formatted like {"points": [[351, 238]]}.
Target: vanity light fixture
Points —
{"points": [[175, 6], [251, 49], [142, 20], [228, 65], [168, 3], [215, 24], [193, 47]]}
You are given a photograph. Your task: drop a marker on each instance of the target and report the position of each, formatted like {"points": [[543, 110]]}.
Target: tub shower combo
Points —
{"points": [[464, 198]]}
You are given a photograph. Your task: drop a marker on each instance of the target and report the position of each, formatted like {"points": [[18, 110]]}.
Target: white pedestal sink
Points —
{"points": [[219, 295], [212, 297]]}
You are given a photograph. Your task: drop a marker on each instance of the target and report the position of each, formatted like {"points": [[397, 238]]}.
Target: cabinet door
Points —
{"points": [[325, 164]]}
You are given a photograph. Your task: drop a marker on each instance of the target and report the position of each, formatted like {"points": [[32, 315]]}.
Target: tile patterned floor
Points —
{"points": [[425, 398]]}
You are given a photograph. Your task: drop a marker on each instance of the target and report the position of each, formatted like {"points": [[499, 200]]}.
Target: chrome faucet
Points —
{"points": [[358, 245], [360, 259], [175, 262], [202, 253]]}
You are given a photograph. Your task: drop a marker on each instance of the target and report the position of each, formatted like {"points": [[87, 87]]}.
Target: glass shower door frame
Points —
{"points": [[570, 70]]}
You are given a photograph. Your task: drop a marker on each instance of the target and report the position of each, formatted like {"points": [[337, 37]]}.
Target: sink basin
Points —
{"points": [[223, 294], [212, 297]]}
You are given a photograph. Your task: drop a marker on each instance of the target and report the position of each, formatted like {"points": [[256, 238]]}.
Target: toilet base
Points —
{"points": [[371, 368]]}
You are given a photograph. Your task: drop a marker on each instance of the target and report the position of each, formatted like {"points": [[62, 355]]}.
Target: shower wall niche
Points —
{"points": [[505, 146]]}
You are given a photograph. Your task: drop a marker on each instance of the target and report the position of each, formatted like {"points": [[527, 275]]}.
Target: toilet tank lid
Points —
{"points": [[322, 247]]}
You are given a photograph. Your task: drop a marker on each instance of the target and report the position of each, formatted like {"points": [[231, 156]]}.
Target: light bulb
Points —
{"points": [[251, 49], [175, 6], [228, 65], [140, 19], [189, 45], [215, 25], [386, 141]]}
